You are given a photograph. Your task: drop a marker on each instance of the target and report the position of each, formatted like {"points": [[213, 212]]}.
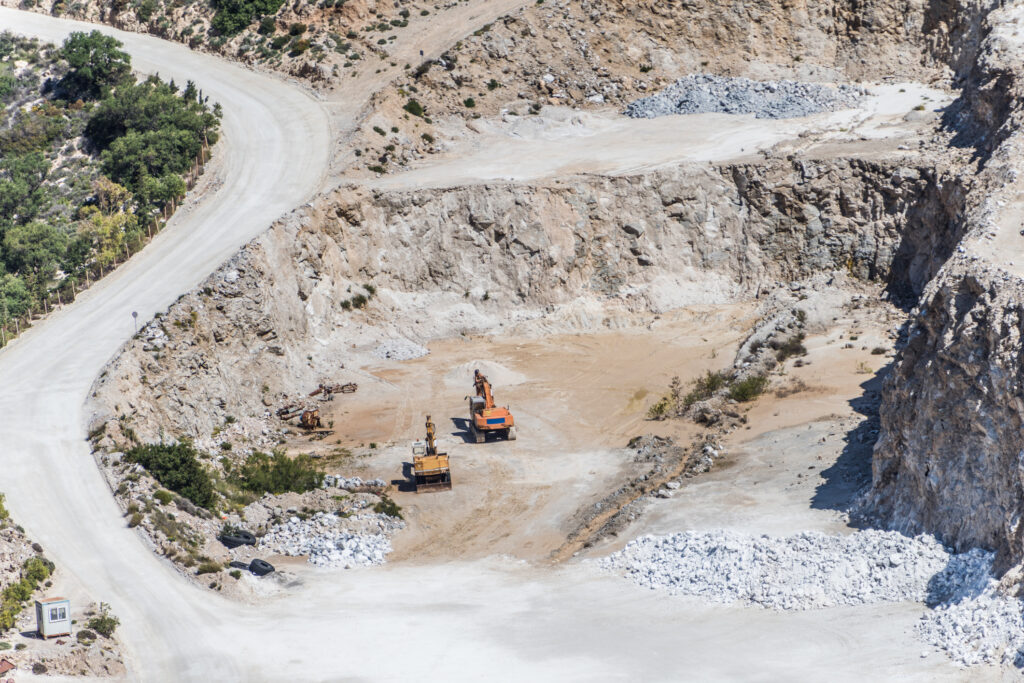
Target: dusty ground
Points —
{"points": [[577, 400]]}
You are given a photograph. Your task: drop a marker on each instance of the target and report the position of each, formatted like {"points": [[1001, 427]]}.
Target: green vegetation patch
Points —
{"points": [[176, 467], [278, 473], [89, 159], [13, 598]]}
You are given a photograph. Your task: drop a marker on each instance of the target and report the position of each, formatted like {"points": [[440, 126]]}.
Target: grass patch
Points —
{"points": [[277, 473]]}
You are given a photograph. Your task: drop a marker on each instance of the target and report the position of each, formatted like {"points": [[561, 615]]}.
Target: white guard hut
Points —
{"points": [[53, 617]]}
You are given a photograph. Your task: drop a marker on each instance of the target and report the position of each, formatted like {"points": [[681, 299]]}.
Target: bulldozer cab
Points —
{"points": [[419, 448], [477, 404]]}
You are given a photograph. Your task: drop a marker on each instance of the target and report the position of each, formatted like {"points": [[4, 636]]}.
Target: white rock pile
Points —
{"points": [[399, 348], [704, 93], [331, 541], [972, 622], [806, 571], [350, 483]]}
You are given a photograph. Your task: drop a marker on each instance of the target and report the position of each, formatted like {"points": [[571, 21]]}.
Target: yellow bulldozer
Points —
{"points": [[430, 468]]}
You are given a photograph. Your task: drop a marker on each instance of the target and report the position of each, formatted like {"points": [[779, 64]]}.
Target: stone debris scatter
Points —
{"points": [[971, 621], [399, 348], [364, 541], [809, 570], [704, 93], [350, 483], [967, 617]]}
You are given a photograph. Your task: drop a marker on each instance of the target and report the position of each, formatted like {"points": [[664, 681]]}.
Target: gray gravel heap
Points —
{"points": [[809, 570], [704, 93], [362, 541]]}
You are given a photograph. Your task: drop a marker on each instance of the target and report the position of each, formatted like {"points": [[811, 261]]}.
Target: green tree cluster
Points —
{"points": [[65, 217], [233, 16], [177, 468]]}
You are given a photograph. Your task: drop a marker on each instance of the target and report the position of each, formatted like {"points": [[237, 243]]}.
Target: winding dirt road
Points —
{"points": [[488, 620]]}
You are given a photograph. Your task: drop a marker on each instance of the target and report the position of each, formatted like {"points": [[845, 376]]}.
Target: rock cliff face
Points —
{"points": [[950, 458], [950, 455], [576, 254]]}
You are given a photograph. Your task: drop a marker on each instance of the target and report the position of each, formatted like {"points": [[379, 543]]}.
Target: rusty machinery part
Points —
{"points": [[310, 419], [328, 389]]}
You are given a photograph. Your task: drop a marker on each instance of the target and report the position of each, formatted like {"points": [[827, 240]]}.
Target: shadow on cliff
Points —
{"points": [[850, 475]]}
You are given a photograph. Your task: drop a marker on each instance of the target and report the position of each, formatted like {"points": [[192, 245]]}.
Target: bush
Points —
{"points": [[791, 347], [379, 131], [233, 16], [705, 387], [85, 636], [297, 29], [386, 506], [208, 568], [660, 410], [299, 46], [748, 389], [96, 63], [104, 623], [135, 520], [376, 168], [414, 108], [469, 102], [4, 515], [277, 473], [164, 497], [279, 42], [877, 351], [35, 570], [235, 574], [267, 26], [493, 84], [428, 138], [176, 467]]}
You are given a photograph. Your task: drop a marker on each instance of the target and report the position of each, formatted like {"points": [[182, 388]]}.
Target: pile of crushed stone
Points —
{"points": [[399, 348], [362, 541], [806, 571], [704, 93], [970, 620]]}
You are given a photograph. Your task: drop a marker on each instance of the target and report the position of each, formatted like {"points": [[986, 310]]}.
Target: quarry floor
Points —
{"points": [[478, 582]]}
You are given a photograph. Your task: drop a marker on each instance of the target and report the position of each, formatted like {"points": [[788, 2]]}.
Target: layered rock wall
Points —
{"points": [[583, 253]]}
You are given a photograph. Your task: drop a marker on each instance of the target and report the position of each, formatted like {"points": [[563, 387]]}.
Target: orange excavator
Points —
{"points": [[485, 417]]}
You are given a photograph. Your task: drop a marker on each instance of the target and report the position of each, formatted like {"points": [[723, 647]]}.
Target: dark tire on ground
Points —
{"points": [[260, 567], [238, 538]]}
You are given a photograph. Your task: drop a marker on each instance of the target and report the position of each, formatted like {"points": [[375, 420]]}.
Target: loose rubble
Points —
{"points": [[399, 348], [704, 93], [972, 622], [809, 570], [351, 483], [326, 545]]}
